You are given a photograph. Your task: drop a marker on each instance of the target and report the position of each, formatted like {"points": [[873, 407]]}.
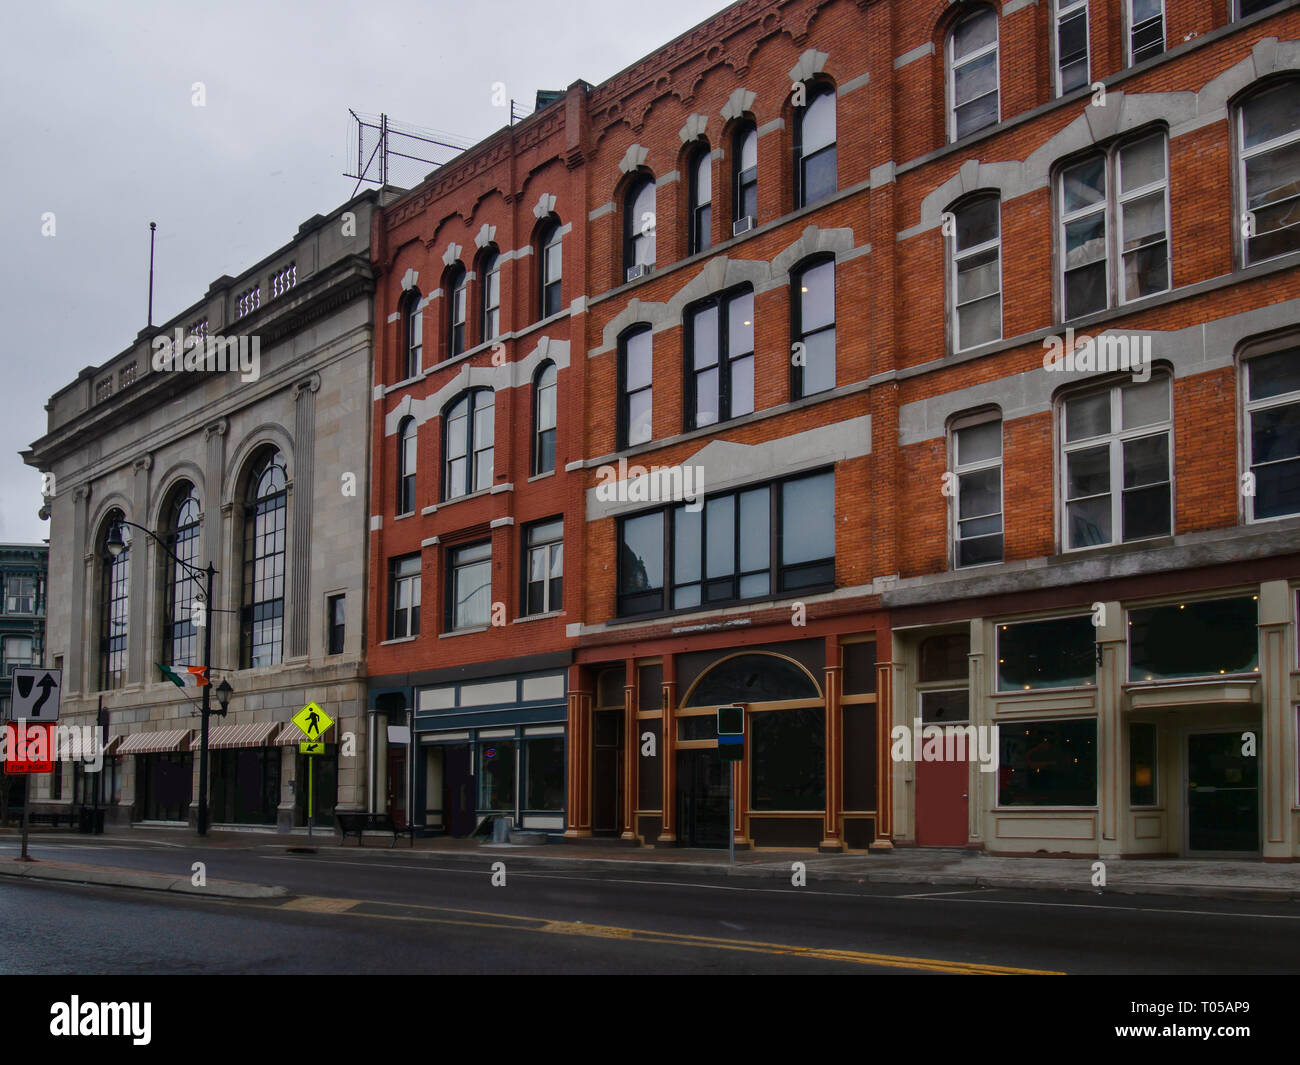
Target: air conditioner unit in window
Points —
{"points": [[742, 225], [640, 270]]}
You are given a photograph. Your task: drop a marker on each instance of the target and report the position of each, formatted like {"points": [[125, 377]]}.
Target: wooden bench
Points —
{"points": [[52, 819], [360, 823]]}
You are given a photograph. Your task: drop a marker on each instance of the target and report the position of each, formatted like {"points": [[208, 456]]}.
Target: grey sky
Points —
{"points": [[100, 130]]}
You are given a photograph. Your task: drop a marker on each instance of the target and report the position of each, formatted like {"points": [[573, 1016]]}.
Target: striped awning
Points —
{"points": [[290, 736], [226, 737], [154, 742], [114, 742]]}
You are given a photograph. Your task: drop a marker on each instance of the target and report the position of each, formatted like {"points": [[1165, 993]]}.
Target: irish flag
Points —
{"points": [[185, 676]]}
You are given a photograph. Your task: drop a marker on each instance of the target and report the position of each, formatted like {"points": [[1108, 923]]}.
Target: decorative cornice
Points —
{"points": [[217, 428]]}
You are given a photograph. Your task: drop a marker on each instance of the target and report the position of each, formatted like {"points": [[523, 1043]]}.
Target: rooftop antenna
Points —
{"points": [[153, 226]]}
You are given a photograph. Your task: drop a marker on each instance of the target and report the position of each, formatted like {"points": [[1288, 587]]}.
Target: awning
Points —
{"points": [[290, 736], [226, 737], [154, 742], [114, 742]]}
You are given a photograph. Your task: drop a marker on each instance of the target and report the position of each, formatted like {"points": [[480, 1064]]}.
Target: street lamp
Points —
{"points": [[115, 545]]}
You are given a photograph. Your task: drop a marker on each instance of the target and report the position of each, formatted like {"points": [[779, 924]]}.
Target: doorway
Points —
{"points": [[1222, 795], [606, 772], [395, 802], [458, 789], [703, 786], [942, 803]]}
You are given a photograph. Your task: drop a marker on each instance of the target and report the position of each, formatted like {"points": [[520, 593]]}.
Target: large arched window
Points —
{"points": [[1268, 139], [114, 584], [455, 286], [490, 287], [551, 264], [700, 221], [468, 444], [406, 461], [973, 73], [744, 170], [815, 178], [544, 418], [265, 512], [412, 333], [181, 534], [639, 227]]}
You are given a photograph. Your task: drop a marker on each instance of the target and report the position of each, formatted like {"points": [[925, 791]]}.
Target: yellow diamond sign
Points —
{"points": [[313, 721]]}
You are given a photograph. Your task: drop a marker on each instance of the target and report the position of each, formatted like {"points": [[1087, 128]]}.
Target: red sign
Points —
{"points": [[27, 748]]}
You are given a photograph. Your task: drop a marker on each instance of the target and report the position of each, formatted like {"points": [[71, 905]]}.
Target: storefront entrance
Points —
{"points": [[942, 787], [1222, 795], [458, 789], [246, 786], [702, 791], [164, 786]]}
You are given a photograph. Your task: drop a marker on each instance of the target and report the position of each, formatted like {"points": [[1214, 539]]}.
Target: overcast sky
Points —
{"points": [[100, 129]]}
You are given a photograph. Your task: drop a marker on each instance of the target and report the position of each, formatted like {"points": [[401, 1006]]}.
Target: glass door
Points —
{"points": [[1222, 795]]}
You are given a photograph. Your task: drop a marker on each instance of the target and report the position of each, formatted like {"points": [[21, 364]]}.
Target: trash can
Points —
{"points": [[501, 829]]}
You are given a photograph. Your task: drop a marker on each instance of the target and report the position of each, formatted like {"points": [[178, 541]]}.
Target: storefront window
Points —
{"points": [[1048, 763], [1142, 764], [752, 678], [497, 777], [788, 759], [1194, 639], [544, 766], [1060, 653], [246, 785]]}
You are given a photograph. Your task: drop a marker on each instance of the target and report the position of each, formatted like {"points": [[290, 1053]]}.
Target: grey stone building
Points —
{"points": [[238, 434]]}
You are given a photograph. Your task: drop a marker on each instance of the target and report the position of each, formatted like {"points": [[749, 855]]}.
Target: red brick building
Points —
{"points": [[926, 375]]}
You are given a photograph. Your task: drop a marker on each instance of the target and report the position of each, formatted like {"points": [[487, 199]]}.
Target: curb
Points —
{"points": [[180, 885]]}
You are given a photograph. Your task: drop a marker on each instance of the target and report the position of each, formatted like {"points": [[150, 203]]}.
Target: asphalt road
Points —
{"points": [[366, 911]]}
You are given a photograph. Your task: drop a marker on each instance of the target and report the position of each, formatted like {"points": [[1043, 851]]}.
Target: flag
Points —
{"points": [[186, 676]]}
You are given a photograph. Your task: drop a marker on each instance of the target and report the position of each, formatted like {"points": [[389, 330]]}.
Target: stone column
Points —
{"points": [[668, 752], [304, 395], [630, 746], [834, 687], [1112, 664], [140, 637], [81, 595], [1277, 771], [884, 763], [578, 805], [982, 789]]}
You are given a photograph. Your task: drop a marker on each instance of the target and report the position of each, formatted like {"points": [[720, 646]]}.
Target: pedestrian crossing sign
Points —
{"points": [[313, 721]]}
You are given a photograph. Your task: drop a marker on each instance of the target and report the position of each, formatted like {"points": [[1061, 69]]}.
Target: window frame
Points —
{"points": [[956, 256], [408, 449], [489, 274], [633, 239], [953, 65], [725, 363], [454, 568], [1130, 28], [797, 333], [457, 289], [114, 604], [12, 599], [1248, 407], [551, 546], [470, 397], [412, 334], [1063, 11], [256, 506], [404, 571], [335, 626], [699, 226], [182, 540], [1244, 154], [957, 426], [624, 427], [816, 92], [540, 431], [550, 237], [743, 178]]}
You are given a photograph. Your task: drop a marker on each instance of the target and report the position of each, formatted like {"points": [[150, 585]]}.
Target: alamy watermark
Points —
{"points": [[945, 743], [1103, 354], [654, 484], [59, 743], [210, 354]]}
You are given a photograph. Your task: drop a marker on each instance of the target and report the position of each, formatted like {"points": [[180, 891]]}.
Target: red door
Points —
{"points": [[941, 801]]}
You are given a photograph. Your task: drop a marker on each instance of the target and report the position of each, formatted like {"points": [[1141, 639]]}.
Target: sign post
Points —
{"points": [[314, 722], [731, 749]]}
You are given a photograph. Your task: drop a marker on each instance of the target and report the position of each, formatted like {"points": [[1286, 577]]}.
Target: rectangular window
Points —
{"points": [[20, 595], [977, 511], [813, 324], [492, 301], [1268, 149], [636, 389], [17, 652], [544, 567], [720, 378], [1245, 8], [859, 661], [1146, 28], [497, 780], [1196, 639], [747, 544], [1048, 763], [977, 273], [544, 773], [1273, 434], [334, 623], [404, 597], [973, 73], [470, 587], [788, 759], [1071, 45], [552, 271], [1116, 464], [1058, 653], [1142, 764]]}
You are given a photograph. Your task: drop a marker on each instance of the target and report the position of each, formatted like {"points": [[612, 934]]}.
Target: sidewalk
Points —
{"points": [[943, 868]]}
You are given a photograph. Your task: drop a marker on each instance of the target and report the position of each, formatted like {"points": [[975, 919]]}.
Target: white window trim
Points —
{"points": [[1244, 154], [955, 257], [954, 508], [1122, 198], [1063, 220], [1248, 407], [952, 70], [1128, 31], [547, 546], [1064, 9]]}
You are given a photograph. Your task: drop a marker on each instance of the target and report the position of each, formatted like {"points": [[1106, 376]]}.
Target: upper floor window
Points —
{"points": [[468, 445], [1146, 29], [815, 178], [976, 279], [404, 597], [973, 73], [413, 333], [265, 512], [1115, 466], [977, 509], [544, 418], [550, 258], [1071, 45], [745, 179], [114, 585], [639, 227], [1272, 436], [635, 389], [456, 307], [491, 272], [813, 325], [20, 595], [720, 359], [469, 586], [335, 623], [17, 651], [406, 462], [180, 633], [1114, 226], [701, 200], [1245, 8], [544, 567], [1269, 176]]}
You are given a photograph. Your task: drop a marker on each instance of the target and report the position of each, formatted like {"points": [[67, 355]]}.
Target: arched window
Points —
{"points": [[490, 271], [551, 262], [744, 169], [976, 278], [412, 332], [406, 459], [701, 206], [973, 73], [1269, 176], [455, 310], [181, 534], [265, 512], [635, 387], [114, 584], [639, 227], [815, 146], [544, 412], [467, 444], [813, 322]]}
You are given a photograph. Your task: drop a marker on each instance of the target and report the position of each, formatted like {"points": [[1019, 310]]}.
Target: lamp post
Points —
{"points": [[116, 545]]}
